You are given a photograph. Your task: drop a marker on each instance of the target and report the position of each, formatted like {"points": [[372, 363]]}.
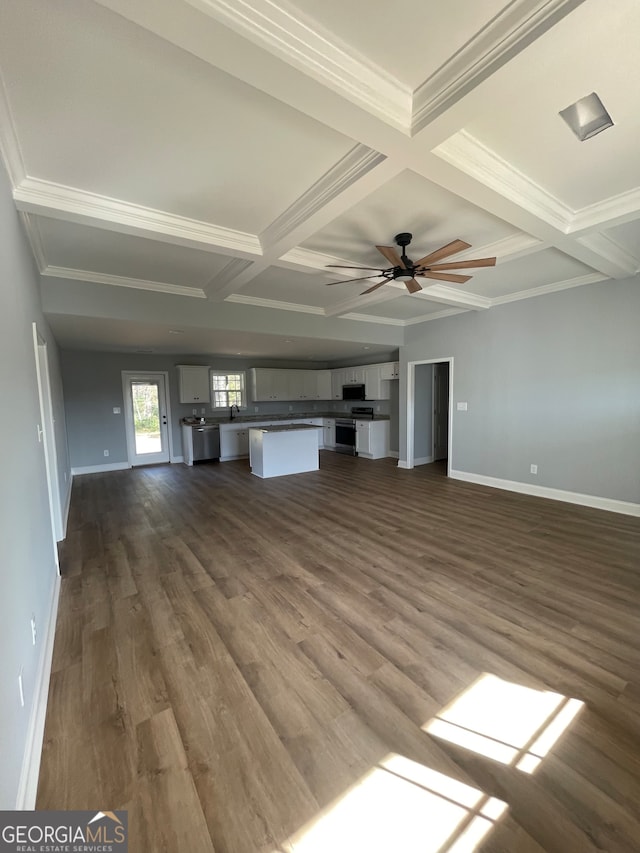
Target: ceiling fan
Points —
{"points": [[406, 270]]}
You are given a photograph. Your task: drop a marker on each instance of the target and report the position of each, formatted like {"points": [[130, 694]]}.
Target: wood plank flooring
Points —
{"points": [[235, 657]]}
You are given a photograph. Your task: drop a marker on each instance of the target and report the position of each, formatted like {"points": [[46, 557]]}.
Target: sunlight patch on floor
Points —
{"points": [[401, 805], [506, 722]]}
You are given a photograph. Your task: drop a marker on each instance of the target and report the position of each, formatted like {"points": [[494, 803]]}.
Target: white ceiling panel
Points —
{"points": [[595, 48], [410, 39], [407, 203], [286, 285], [81, 247], [104, 105], [542, 268], [628, 237], [403, 308]]}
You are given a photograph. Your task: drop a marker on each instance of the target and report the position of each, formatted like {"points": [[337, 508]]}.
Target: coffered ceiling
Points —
{"points": [[214, 157]]}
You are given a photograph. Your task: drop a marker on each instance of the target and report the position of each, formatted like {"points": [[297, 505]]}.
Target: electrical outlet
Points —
{"points": [[461, 407], [20, 687], [255, 408], [377, 408], [194, 411], [290, 408], [534, 469], [202, 410], [34, 633], [106, 452], [116, 410]]}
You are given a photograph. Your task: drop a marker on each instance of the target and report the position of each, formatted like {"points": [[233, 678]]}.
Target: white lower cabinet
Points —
{"points": [[329, 430], [234, 441], [372, 439]]}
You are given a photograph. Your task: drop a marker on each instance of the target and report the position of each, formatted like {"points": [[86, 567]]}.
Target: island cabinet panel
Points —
{"points": [[193, 384], [280, 450]]}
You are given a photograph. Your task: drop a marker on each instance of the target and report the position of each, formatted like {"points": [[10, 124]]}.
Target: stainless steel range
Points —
{"points": [[346, 429]]}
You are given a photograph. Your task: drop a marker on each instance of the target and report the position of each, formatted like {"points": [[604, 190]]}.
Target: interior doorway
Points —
{"points": [[46, 434], [440, 409], [146, 414], [436, 433]]}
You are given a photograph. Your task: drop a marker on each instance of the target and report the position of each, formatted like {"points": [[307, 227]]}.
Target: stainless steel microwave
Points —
{"points": [[353, 392]]}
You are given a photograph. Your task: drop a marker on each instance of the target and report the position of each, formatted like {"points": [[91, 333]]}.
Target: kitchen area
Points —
{"points": [[347, 410]]}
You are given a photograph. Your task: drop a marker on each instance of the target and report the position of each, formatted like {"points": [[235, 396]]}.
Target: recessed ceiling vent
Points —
{"points": [[587, 117]]}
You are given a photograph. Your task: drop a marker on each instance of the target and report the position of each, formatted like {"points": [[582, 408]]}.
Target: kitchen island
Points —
{"points": [[278, 450]]}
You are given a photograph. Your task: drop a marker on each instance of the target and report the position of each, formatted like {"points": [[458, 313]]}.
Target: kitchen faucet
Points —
{"points": [[231, 408]]}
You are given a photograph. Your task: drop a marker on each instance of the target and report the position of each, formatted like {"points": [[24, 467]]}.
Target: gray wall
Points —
{"points": [[553, 380], [28, 566], [93, 387], [422, 435]]}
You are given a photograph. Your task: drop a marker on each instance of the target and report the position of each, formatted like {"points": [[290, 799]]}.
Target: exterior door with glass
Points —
{"points": [[145, 396]]}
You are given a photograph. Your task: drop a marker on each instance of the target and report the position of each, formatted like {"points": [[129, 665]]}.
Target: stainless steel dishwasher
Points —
{"points": [[206, 442]]}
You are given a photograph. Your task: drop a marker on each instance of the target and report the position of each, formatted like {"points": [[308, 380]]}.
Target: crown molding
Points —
{"points": [[308, 261], [519, 24], [259, 302], [47, 198], [469, 155], [283, 31], [607, 248], [509, 248], [450, 296], [226, 275], [122, 281], [349, 169], [369, 318], [438, 315], [567, 284], [9, 145], [624, 206]]}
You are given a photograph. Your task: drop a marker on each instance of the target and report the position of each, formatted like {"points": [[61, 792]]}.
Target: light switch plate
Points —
{"points": [[461, 407]]}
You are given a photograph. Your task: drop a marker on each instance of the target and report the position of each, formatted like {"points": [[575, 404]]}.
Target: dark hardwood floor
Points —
{"points": [[358, 659]]}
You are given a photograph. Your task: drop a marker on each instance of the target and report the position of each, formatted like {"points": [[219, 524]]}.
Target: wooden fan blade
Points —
{"points": [[413, 286], [443, 276], [450, 249], [373, 287], [346, 280], [463, 265], [343, 267], [391, 255]]}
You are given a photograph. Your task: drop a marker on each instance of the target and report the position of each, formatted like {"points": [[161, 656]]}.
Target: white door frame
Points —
{"points": [[46, 435], [128, 419], [411, 403]]}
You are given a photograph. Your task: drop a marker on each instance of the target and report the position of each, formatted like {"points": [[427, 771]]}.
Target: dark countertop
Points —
{"points": [[288, 416]]}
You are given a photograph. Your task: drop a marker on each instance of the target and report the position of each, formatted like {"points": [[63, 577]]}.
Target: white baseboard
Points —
{"points": [[232, 458], [28, 785], [608, 504], [176, 460], [67, 505], [393, 454], [98, 469], [422, 460], [402, 463]]}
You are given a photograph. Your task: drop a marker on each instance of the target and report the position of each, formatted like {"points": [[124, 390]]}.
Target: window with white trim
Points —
{"points": [[228, 389]]}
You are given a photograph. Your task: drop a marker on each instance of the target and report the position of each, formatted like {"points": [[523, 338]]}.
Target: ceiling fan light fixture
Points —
{"points": [[404, 276], [587, 117]]}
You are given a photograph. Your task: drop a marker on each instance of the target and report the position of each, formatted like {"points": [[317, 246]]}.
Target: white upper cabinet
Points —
{"points": [[337, 381], [193, 384], [389, 370], [268, 384], [323, 378]]}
